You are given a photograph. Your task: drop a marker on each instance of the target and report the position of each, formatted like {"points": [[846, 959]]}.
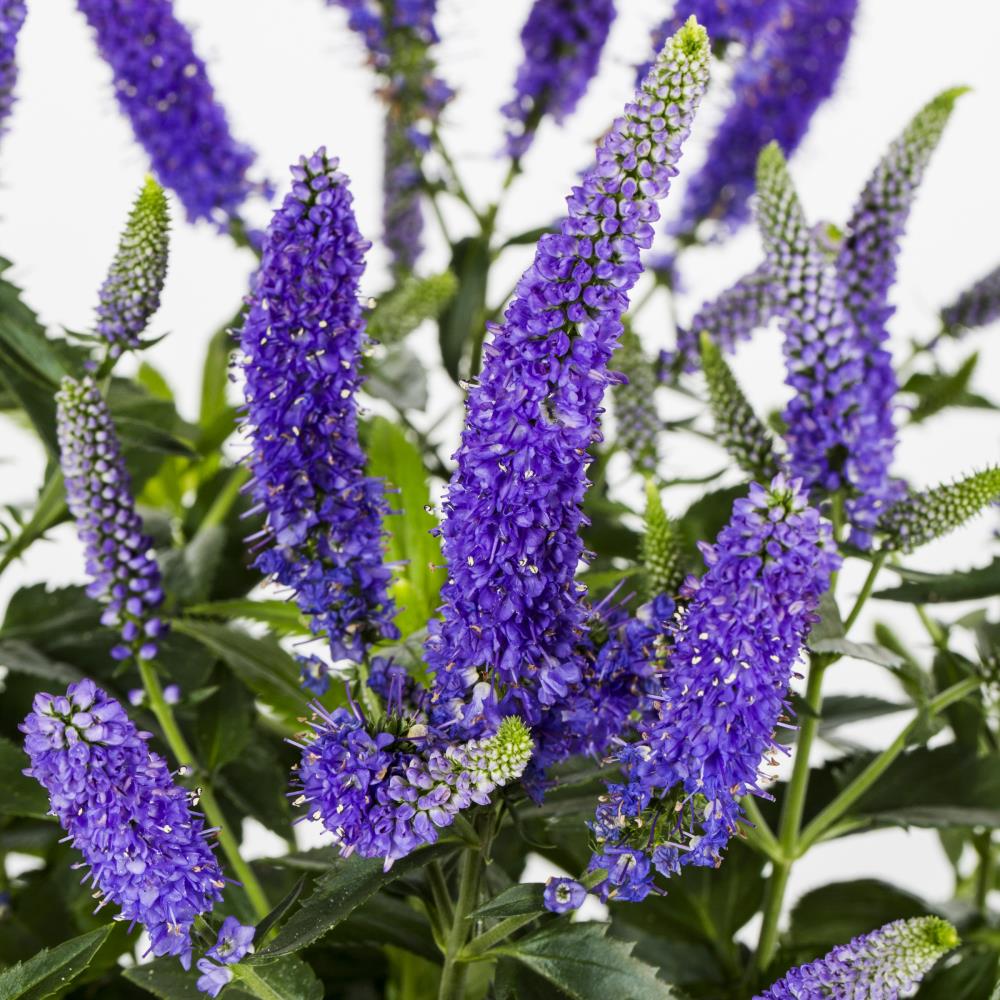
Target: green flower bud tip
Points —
{"points": [[508, 752], [661, 551]]}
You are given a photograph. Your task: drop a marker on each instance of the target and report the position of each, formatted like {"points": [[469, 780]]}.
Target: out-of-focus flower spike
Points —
{"points": [[130, 294], [737, 427], [120, 561], [410, 303], [976, 306], [661, 550], [302, 342], [512, 610], [636, 418], [563, 41], [883, 964], [163, 89], [921, 517], [12, 15]]}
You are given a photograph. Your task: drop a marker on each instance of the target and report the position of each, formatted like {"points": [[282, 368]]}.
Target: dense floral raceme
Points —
{"points": [[563, 41], [880, 965], [661, 551], [637, 421], [163, 88], [834, 424], [921, 517], [302, 343], [120, 562], [791, 70], [131, 292], [866, 265], [732, 652], [12, 14], [382, 791], [976, 306], [512, 609], [117, 801]]}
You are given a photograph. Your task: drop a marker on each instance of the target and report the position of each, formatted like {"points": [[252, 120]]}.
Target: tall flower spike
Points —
{"points": [[882, 964], [661, 551], [120, 560], [302, 342], [921, 517], [733, 649], [976, 306], [131, 292], [563, 41], [12, 14], [382, 797], [636, 418], [737, 427], [833, 422], [792, 69], [145, 848], [866, 264], [163, 88], [512, 610]]}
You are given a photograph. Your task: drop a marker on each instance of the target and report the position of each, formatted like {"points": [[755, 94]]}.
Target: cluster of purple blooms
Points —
{"points": [[119, 556], [12, 15], [732, 651], [146, 850], [976, 306], [563, 41], [302, 342], [235, 941], [163, 88], [512, 610]]}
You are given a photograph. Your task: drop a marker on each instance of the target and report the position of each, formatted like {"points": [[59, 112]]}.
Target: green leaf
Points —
{"points": [[338, 894], [705, 518], [830, 624], [166, 979], [189, 571], [49, 972], [23, 658], [582, 961], [214, 409], [278, 912], [282, 617], [287, 979], [21, 795], [398, 377], [152, 379], [224, 723], [872, 652], [518, 900], [968, 974], [388, 920], [465, 313], [934, 588], [940, 390], [50, 509], [843, 709]]}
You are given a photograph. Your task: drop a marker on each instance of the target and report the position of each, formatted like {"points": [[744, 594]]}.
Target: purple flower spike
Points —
{"points": [[12, 15], [512, 612], [563, 894], [563, 41], [234, 942], [731, 653], [145, 848], [120, 560], [163, 89], [976, 306], [302, 343]]}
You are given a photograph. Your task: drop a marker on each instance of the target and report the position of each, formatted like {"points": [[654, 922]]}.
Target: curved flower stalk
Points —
{"points": [[792, 69], [382, 796], [131, 292], [563, 41], [833, 421], [302, 343], [163, 89], [660, 549], [921, 517], [12, 15], [737, 427], [637, 422], [120, 560], [732, 652], [512, 612], [882, 964], [976, 306], [146, 850]]}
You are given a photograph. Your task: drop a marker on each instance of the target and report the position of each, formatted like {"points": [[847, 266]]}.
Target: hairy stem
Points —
{"points": [[454, 973], [866, 590]]}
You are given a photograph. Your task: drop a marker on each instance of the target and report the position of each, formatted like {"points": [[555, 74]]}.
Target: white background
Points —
{"points": [[292, 78]]}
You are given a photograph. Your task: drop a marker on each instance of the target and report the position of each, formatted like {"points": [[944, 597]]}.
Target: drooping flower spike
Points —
{"points": [[731, 654], [120, 561], [563, 41], [131, 292], [880, 965], [512, 611], [302, 342], [976, 306], [384, 790], [146, 850], [163, 89], [12, 15]]}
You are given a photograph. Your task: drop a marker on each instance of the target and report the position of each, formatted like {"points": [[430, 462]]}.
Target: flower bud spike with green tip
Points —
{"points": [[410, 303], [882, 964], [635, 403], [131, 292], [662, 555], [737, 427], [921, 517]]}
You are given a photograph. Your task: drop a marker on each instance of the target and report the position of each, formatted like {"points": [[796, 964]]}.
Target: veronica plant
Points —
{"points": [[332, 713]]}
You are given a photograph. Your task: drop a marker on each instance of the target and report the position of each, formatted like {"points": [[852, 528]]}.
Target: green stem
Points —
{"points": [[226, 497], [934, 630], [259, 987], [440, 894], [866, 590], [454, 973], [987, 870], [182, 754], [760, 836], [822, 823], [482, 943]]}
